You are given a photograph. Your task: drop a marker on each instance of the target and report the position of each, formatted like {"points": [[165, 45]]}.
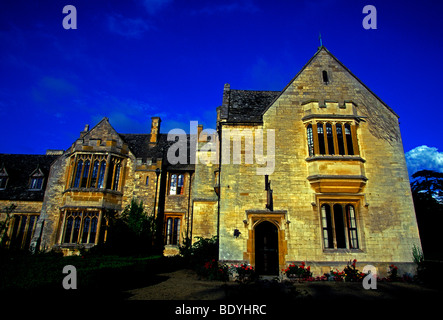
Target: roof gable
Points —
{"points": [[322, 51], [102, 130]]}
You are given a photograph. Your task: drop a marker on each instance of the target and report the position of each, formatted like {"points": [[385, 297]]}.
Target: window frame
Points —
{"points": [[75, 231], [97, 171], [173, 184], [323, 138], [3, 179], [21, 230], [172, 229], [350, 231]]}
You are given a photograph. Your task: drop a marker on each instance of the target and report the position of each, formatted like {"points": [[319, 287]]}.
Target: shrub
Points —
{"points": [[300, 271], [211, 270], [243, 272], [393, 273], [352, 273], [131, 233], [201, 251]]}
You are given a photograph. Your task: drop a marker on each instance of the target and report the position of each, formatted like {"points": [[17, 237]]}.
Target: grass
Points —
{"points": [[21, 273]]}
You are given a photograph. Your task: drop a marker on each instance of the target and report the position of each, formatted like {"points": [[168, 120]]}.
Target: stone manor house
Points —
{"points": [[334, 184]]}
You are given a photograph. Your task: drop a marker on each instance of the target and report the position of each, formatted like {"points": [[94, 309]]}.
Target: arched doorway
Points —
{"points": [[266, 248]]}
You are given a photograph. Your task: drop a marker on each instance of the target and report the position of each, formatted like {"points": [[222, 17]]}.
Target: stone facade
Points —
{"points": [[366, 175], [315, 173]]}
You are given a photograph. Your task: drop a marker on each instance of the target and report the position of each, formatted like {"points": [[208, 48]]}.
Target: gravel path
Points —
{"points": [[180, 285], [185, 285]]}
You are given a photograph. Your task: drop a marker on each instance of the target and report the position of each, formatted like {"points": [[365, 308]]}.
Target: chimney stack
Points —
{"points": [[155, 129], [85, 131]]}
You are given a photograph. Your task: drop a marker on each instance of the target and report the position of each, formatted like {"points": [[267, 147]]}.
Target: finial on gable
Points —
{"points": [[321, 42]]}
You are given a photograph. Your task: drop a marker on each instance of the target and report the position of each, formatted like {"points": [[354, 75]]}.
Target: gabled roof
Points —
{"points": [[320, 49], [246, 106], [19, 168]]}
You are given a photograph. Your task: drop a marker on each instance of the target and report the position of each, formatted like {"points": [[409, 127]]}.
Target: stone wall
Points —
{"points": [[375, 180]]}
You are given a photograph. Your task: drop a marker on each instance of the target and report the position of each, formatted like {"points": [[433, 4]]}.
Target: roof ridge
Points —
{"points": [[342, 65]]}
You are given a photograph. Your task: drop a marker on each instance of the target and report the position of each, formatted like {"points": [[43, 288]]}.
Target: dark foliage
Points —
{"points": [[427, 192], [131, 233]]}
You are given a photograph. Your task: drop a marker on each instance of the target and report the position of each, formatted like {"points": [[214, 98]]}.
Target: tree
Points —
{"points": [[132, 232], [138, 221], [428, 183], [427, 192]]}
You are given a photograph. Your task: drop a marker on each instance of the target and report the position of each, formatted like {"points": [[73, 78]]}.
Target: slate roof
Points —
{"points": [[19, 168], [247, 106], [142, 149]]}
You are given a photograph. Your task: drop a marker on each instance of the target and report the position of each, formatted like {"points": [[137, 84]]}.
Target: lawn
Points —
{"points": [[25, 273]]}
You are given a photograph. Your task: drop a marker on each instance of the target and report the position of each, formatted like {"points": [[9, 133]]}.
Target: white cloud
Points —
{"points": [[424, 157]]}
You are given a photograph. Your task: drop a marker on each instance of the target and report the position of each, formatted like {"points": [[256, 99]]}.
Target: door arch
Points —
{"points": [[266, 248]]}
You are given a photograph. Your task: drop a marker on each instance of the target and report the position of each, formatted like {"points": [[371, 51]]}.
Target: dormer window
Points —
{"points": [[36, 183], [36, 180], [3, 178]]}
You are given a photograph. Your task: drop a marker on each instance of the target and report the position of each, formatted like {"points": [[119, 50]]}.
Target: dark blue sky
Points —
{"points": [[130, 60]]}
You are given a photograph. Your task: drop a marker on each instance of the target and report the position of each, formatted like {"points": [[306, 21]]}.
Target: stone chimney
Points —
{"points": [[85, 131], [199, 131], [155, 129]]}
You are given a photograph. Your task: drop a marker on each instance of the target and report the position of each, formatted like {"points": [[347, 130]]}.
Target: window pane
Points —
{"points": [[310, 141], [94, 174], [21, 231], [110, 175], [76, 231], [321, 138], [168, 230], [101, 176], [352, 226], [68, 229], [29, 232], [339, 226], [78, 173], [176, 236], [180, 184], [117, 176], [85, 230], [15, 228], [85, 174], [180, 180], [330, 138], [327, 226], [173, 185], [3, 182], [349, 144], [341, 146], [93, 231]]}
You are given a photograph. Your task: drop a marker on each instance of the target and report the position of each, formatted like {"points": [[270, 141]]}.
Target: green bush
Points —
{"points": [[130, 234], [201, 251]]}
